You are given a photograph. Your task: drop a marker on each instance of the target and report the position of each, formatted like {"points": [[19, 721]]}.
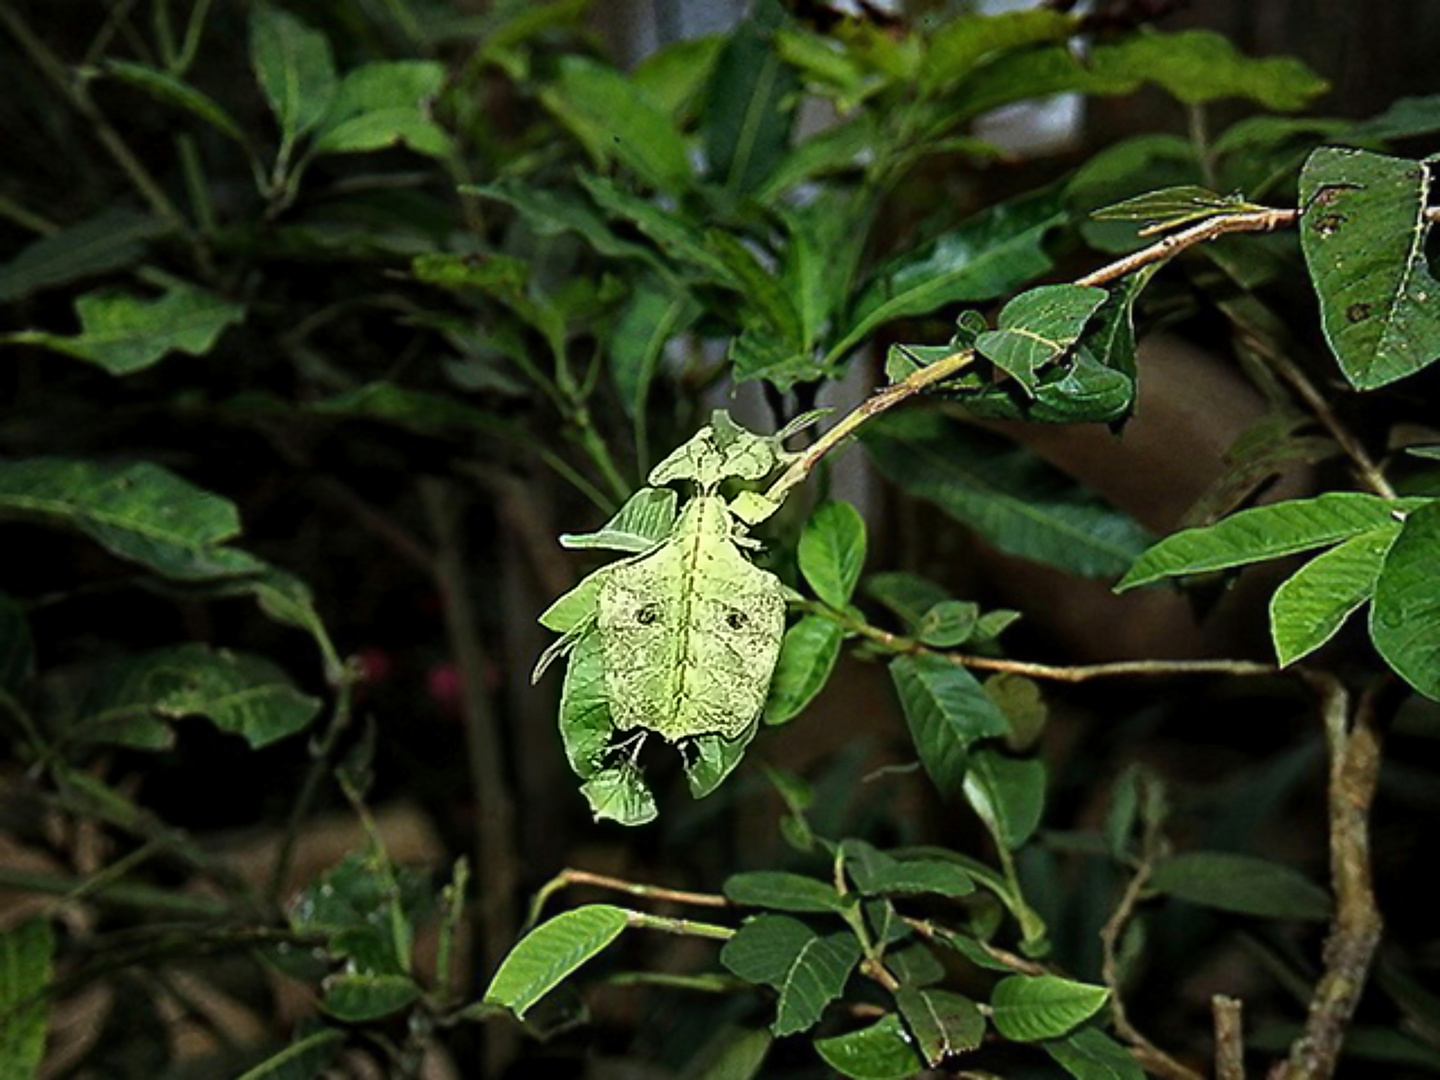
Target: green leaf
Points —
{"points": [[877, 873], [971, 948], [1130, 168], [749, 106], [294, 67], [1090, 1054], [1037, 328], [673, 76], [550, 212], [988, 255], [807, 971], [646, 518], [17, 649], [1308, 609], [1011, 498], [913, 964], [759, 353], [964, 42], [1406, 118], [947, 710], [304, 1059], [26, 954], [712, 758], [948, 624], [882, 1051], [836, 149], [124, 333], [1172, 207], [781, 891], [172, 90], [807, 657], [832, 551], [1008, 794], [1363, 230], [138, 511], [1241, 883], [382, 104], [676, 235], [241, 694], [360, 998], [731, 1053], [655, 314], [1031, 1007], [1265, 532], [909, 596], [109, 241], [826, 238], [1405, 618], [764, 293], [616, 120], [619, 794], [550, 952], [943, 1023]]}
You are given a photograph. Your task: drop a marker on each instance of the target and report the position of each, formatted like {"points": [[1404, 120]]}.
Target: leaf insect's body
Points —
{"points": [[690, 632]]}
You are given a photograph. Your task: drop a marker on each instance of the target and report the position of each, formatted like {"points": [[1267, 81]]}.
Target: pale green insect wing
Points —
{"points": [[690, 636]]}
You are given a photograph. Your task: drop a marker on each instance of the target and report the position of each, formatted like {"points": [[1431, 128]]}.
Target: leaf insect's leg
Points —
{"points": [[630, 747]]}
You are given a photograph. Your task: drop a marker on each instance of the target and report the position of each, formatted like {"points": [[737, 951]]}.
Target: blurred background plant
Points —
{"points": [[322, 321]]}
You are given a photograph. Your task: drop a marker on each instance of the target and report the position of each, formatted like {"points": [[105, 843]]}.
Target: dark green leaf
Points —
{"points": [[1090, 1054], [383, 104], [832, 551], [139, 512], [711, 758], [304, 1059], [585, 723], [985, 256], [764, 293], [732, 1053], [759, 353], [909, 596], [947, 710], [124, 333], [1037, 328], [1405, 618], [168, 88], [1129, 168], [551, 212], [1241, 883], [646, 518], [1024, 707], [826, 237], [807, 657], [1008, 794], [943, 1023], [836, 149], [1363, 230], [882, 1051], [781, 891], [654, 315], [1308, 608], [915, 964], [17, 649], [964, 42], [616, 120], [1406, 118], [26, 954], [746, 121], [877, 873], [676, 236], [550, 952], [807, 970], [98, 245], [241, 694], [361, 998], [948, 624], [673, 76], [1031, 1007], [294, 67], [1266, 532], [1011, 498], [971, 948]]}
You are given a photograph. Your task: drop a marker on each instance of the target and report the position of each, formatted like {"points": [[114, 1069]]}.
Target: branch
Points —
{"points": [[1229, 1038], [1356, 924]]}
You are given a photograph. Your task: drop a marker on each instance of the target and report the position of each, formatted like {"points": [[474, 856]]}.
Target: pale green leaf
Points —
{"points": [[807, 970], [947, 710], [109, 241], [552, 951], [807, 657], [241, 694], [781, 891], [943, 1024], [1405, 617], [1014, 500], [882, 1051], [1031, 1007], [646, 518], [172, 90], [1090, 1054], [1172, 206], [1363, 230], [1309, 607], [619, 794], [383, 104], [26, 954], [832, 551], [1008, 794], [294, 66], [1241, 883], [124, 333]]}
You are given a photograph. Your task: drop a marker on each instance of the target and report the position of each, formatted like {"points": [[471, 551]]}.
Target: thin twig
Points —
{"points": [[1356, 925], [1229, 1038], [570, 876]]}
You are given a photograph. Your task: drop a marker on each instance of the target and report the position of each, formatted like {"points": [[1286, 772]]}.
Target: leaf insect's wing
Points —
{"points": [[645, 520]]}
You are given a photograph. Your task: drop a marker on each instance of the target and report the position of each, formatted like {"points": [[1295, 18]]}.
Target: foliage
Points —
{"points": [[389, 291]]}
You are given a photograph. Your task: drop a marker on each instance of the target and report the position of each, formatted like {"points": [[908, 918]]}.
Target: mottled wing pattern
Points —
{"points": [[690, 635]]}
